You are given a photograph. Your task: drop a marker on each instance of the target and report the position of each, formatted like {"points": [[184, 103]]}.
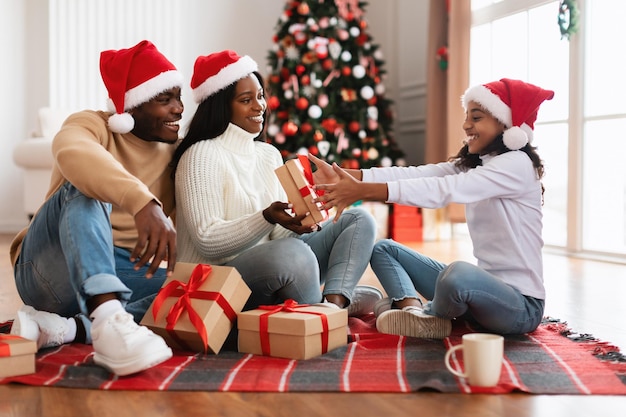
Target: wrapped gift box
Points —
{"points": [[405, 224], [197, 306], [17, 356], [297, 181], [292, 331]]}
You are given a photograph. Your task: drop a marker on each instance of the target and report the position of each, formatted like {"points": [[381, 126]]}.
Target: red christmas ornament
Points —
{"points": [[280, 53], [327, 64], [329, 125], [283, 115], [302, 103], [300, 69], [346, 71], [284, 73], [314, 150], [303, 9], [273, 102], [354, 126], [372, 101], [274, 79], [306, 127], [305, 80], [318, 136], [290, 128]]}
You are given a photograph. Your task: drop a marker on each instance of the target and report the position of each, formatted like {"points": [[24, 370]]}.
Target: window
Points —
{"points": [[582, 144]]}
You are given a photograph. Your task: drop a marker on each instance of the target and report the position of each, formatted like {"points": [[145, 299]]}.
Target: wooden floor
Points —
{"points": [[589, 295]]}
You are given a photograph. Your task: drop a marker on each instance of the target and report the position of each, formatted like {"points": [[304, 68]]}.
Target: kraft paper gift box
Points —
{"points": [[292, 331], [197, 306], [297, 180], [17, 355]]}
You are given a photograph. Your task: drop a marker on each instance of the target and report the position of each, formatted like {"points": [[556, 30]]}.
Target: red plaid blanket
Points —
{"points": [[551, 360]]}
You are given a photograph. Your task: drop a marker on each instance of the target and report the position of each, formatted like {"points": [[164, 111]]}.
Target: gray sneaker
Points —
{"points": [[47, 329], [363, 300], [124, 347], [382, 305], [413, 322]]}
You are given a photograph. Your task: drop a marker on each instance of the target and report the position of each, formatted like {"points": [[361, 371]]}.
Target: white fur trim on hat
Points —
{"points": [[153, 87], [225, 77], [490, 102]]}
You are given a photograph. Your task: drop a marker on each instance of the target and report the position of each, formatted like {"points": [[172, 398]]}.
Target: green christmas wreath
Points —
{"points": [[568, 18]]}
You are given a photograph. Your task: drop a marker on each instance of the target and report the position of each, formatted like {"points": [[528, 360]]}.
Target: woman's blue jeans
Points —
{"points": [[68, 256], [457, 290], [295, 268]]}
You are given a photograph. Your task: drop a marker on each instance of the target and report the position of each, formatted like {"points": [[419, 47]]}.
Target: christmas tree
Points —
{"points": [[325, 89]]}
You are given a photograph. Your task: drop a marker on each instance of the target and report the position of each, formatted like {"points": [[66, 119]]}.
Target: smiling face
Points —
{"points": [[480, 127], [158, 120], [248, 104]]}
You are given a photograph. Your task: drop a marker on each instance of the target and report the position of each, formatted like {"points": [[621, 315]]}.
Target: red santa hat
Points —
{"points": [[132, 77], [214, 72], [515, 103]]}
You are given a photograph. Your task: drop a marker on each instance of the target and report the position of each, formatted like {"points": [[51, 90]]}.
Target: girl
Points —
{"points": [[497, 175], [230, 204]]}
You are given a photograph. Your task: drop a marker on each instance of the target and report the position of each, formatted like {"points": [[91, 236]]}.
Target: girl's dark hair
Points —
{"points": [[211, 120], [466, 160]]}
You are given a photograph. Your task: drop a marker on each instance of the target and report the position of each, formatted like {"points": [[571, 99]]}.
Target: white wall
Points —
{"points": [[246, 26]]}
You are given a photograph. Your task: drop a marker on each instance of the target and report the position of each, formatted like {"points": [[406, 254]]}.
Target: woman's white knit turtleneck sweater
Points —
{"points": [[222, 187]]}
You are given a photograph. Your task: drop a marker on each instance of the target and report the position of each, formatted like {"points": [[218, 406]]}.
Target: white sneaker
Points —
{"points": [[412, 321], [47, 329], [124, 347], [382, 305], [363, 300]]}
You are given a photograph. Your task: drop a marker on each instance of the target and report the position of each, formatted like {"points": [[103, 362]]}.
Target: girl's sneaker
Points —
{"points": [[413, 322]]}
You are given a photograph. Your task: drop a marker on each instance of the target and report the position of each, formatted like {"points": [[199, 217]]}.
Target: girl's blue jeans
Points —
{"points": [[68, 256], [458, 290]]}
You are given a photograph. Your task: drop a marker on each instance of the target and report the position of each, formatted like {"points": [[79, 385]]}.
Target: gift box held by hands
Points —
{"points": [[292, 331], [17, 356], [197, 306], [296, 178]]}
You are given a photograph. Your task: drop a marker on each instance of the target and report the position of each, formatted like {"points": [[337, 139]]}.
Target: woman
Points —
{"points": [[497, 174], [231, 207]]}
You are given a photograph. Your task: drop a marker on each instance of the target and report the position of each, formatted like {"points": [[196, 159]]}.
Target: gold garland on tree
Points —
{"points": [[568, 18]]}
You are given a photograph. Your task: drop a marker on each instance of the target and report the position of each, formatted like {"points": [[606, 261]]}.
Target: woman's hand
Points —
{"points": [[277, 213]]}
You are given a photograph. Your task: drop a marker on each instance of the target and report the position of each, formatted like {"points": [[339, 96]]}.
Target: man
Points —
{"points": [[93, 251]]}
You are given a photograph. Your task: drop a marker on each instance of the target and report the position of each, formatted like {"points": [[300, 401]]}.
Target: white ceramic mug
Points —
{"points": [[482, 357]]}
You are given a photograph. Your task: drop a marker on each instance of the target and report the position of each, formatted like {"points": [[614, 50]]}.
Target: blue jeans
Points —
{"points": [[460, 289], [295, 268], [68, 256]]}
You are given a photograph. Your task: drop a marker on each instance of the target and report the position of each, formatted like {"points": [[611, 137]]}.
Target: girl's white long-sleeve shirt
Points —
{"points": [[222, 187], [502, 200]]}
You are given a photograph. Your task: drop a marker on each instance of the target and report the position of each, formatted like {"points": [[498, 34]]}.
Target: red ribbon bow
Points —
{"points": [[185, 292], [5, 348], [290, 306]]}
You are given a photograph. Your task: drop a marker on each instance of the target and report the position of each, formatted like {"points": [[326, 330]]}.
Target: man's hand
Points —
{"points": [[276, 213], [156, 241]]}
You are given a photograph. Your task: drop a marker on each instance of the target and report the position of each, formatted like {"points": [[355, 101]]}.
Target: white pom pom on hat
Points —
{"points": [[132, 77], [215, 72], [515, 103]]}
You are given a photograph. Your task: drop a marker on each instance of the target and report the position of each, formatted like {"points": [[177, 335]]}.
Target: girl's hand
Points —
{"points": [[343, 193], [325, 173]]}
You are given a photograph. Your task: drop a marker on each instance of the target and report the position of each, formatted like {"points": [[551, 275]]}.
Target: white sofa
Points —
{"points": [[34, 155]]}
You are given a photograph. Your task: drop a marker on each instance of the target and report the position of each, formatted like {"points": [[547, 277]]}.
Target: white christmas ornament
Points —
{"points": [[315, 112], [386, 161], [380, 89], [334, 49], [372, 153], [354, 31], [323, 146], [303, 151], [372, 112], [358, 71], [273, 129], [346, 56], [367, 92], [362, 134], [288, 94]]}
